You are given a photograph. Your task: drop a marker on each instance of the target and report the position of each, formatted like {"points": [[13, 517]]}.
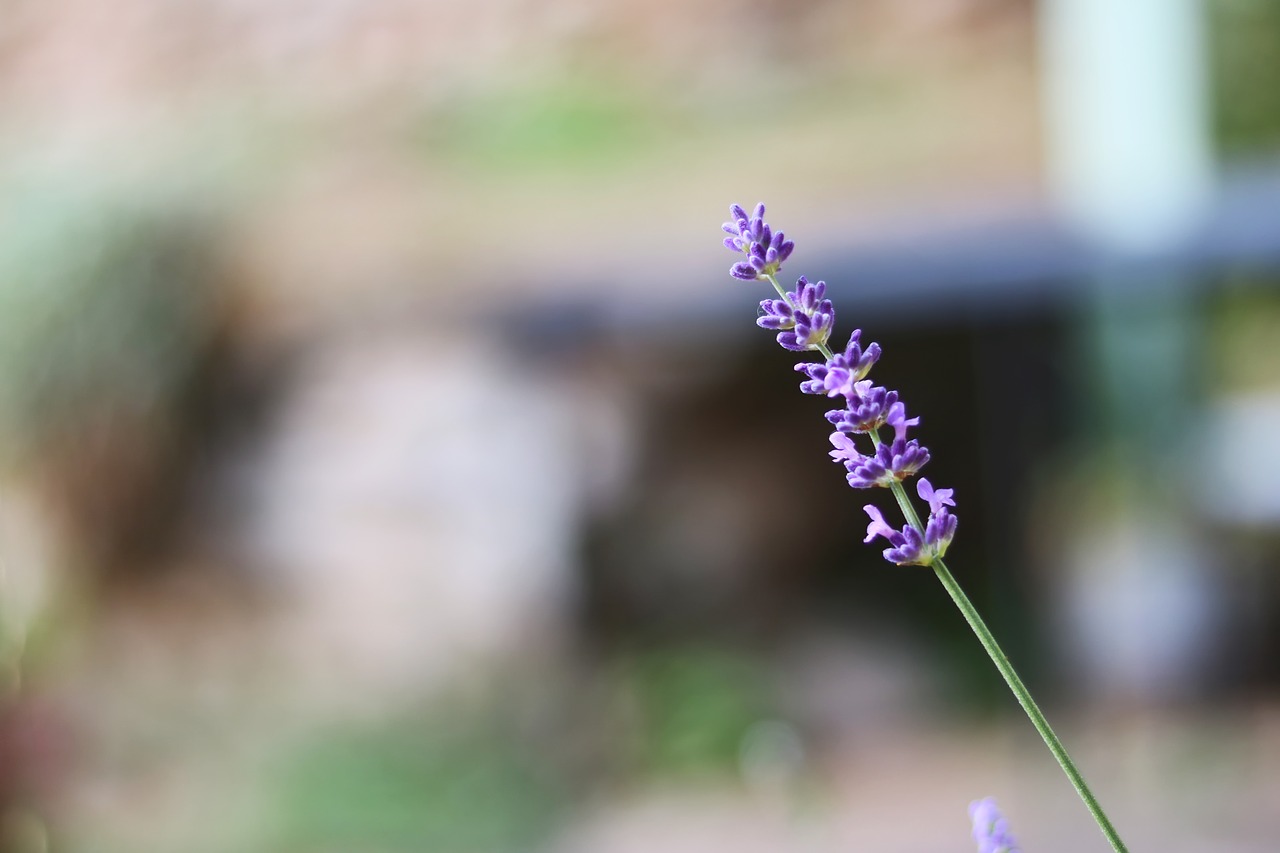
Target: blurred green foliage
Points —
{"points": [[695, 706], [464, 785], [1245, 74], [492, 779], [105, 310], [1245, 326], [555, 123]]}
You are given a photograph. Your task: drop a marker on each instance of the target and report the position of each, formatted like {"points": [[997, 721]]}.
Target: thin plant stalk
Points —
{"points": [[1010, 675], [1028, 704]]}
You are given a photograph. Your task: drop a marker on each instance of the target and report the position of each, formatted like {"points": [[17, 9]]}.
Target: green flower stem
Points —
{"points": [[1011, 678], [1028, 704], [899, 493]]}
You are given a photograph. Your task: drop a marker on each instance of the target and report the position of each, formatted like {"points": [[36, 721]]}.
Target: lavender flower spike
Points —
{"points": [[752, 236], [990, 829], [803, 320]]}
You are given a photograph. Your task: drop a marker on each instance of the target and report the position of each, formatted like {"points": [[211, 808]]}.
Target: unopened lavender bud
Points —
{"points": [[777, 315], [765, 249], [816, 383]]}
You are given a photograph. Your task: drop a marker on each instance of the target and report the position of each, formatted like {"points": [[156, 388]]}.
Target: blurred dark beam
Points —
{"points": [[944, 269]]}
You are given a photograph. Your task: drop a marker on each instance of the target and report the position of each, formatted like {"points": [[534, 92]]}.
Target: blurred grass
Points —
{"points": [[457, 787], [695, 707], [555, 123], [493, 779]]}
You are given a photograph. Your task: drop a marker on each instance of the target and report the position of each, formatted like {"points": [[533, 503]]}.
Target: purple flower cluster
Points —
{"points": [[990, 829], [908, 546], [839, 375], [804, 319], [752, 236]]}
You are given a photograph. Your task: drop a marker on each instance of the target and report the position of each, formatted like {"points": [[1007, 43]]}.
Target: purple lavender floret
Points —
{"points": [[816, 371], [868, 409], [893, 460], [803, 320], [990, 829], [751, 235], [906, 547], [868, 472], [846, 369], [846, 452], [941, 528], [840, 374]]}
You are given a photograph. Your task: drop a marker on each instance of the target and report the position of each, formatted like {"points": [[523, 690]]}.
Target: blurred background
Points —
{"points": [[388, 462]]}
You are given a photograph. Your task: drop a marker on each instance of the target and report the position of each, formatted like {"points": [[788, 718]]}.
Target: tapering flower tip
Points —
{"points": [[990, 829], [765, 249], [906, 547], [846, 369]]}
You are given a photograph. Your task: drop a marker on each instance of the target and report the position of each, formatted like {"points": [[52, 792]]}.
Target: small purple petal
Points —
{"points": [[845, 450], [878, 526], [936, 499]]}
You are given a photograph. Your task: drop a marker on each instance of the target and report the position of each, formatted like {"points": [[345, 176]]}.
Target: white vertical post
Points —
{"points": [[1130, 158], [1130, 165]]}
